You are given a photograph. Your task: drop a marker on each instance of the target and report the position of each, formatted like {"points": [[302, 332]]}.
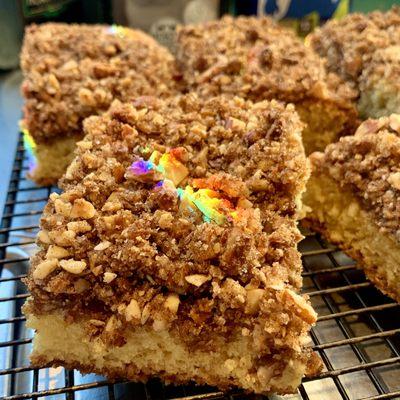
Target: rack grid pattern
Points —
{"points": [[357, 334]]}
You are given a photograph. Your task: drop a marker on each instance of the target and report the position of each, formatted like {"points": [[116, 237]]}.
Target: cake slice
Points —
{"points": [[258, 59], [172, 250], [364, 50], [354, 193], [74, 71]]}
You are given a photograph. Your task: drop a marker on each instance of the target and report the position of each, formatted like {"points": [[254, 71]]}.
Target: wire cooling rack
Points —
{"points": [[357, 334]]}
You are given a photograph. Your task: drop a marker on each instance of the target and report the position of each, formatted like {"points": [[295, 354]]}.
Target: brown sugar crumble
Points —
{"points": [[123, 251]]}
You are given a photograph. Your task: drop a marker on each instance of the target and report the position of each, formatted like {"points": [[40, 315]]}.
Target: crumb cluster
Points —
{"points": [[369, 164], [123, 252]]}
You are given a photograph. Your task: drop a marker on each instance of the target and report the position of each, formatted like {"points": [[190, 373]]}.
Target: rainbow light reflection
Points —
{"points": [[207, 201], [116, 30], [30, 147]]}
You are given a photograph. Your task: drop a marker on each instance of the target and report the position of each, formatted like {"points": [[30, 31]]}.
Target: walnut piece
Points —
{"points": [[56, 252], [303, 308], [109, 277], [197, 279], [44, 268], [172, 302], [79, 226], [254, 297], [102, 245], [82, 209], [73, 266], [132, 311]]}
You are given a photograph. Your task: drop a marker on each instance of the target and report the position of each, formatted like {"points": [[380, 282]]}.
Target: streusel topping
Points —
{"points": [[74, 71], [254, 58], [124, 249], [369, 163], [349, 44]]}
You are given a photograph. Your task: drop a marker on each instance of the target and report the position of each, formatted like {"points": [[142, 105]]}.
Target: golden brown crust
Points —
{"points": [[368, 163], [131, 372], [257, 59], [124, 253], [74, 71]]}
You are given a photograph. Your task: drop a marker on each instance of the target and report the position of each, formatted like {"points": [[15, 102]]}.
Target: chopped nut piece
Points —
{"points": [[112, 324], [394, 180], [165, 220], [145, 314], [79, 226], [132, 311], [43, 237], [82, 209], [54, 196], [394, 122], [237, 124], [197, 279], [304, 308], [72, 168], [62, 208], [85, 144], [102, 245], [230, 364], [109, 277], [172, 302], [254, 297], [44, 269], [264, 374], [73, 266], [97, 322], [56, 252], [65, 238]]}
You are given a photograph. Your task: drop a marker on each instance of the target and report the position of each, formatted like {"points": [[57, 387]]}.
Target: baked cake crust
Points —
{"points": [[258, 59], [119, 249], [360, 176]]}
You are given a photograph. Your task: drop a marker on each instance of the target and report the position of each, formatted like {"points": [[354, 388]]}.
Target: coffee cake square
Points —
{"points": [[172, 250], [353, 196]]}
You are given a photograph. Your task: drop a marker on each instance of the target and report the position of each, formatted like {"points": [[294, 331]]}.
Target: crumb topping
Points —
{"points": [[349, 44], [124, 250], [369, 163], [73, 71], [254, 58], [383, 66]]}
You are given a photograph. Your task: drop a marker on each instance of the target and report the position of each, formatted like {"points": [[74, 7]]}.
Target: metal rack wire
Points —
{"points": [[357, 334]]}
